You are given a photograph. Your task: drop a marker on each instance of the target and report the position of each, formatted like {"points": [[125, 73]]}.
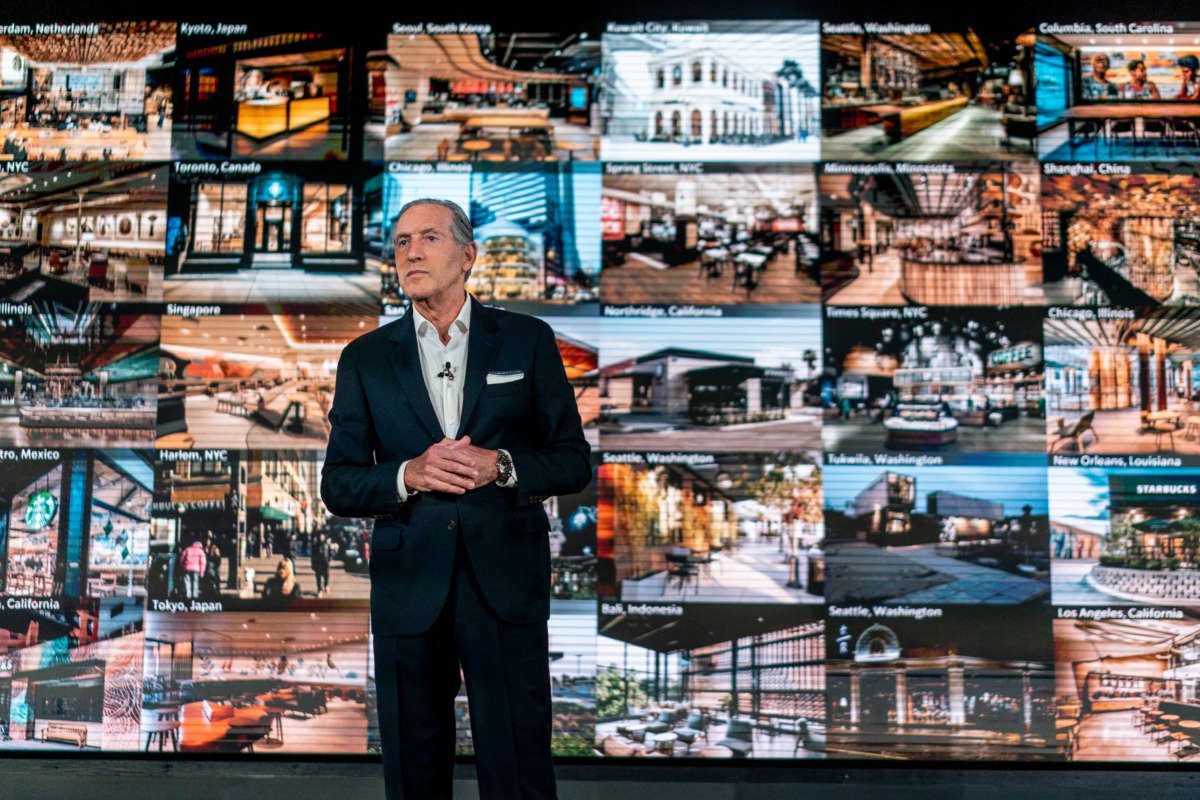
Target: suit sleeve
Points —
{"points": [[561, 464], [352, 483]]}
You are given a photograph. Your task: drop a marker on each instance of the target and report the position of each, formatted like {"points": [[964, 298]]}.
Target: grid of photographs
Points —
{"points": [[884, 336]]}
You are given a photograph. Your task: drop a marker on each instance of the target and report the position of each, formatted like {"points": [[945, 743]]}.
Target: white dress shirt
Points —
{"points": [[438, 362]]}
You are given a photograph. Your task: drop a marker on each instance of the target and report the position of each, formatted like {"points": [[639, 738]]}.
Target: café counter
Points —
{"points": [[968, 280], [900, 122], [262, 119]]}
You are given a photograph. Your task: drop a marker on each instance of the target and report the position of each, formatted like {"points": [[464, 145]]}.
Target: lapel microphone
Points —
{"points": [[446, 372]]}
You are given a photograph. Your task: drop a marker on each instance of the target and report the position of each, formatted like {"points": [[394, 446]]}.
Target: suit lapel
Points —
{"points": [[406, 363], [482, 345]]}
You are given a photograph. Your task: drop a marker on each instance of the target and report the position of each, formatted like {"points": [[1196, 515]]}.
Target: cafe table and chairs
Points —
{"points": [[475, 147], [1191, 729], [711, 261], [571, 147]]}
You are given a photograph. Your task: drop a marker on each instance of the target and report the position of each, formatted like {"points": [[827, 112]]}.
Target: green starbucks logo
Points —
{"points": [[41, 510]]}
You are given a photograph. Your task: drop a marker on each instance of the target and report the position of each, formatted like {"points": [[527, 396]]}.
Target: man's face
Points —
{"points": [[1138, 73], [428, 260], [1188, 74], [1099, 66]]}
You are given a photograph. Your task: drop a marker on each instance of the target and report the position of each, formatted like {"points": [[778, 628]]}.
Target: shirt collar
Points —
{"points": [[462, 322]]}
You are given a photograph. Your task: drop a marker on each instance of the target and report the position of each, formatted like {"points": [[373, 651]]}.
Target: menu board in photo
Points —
{"points": [[241, 381], [80, 231], [941, 682], [710, 91], [536, 227], [1120, 234], [279, 682], [462, 92], [931, 234], [743, 680], [65, 686], [972, 534], [931, 385], [256, 92], [703, 528], [279, 232], [247, 529], [77, 375], [708, 235], [1125, 683], [1120, 387], [1117, 91], [1124, 535], [711, 383], [88, 91], [913, 92]]}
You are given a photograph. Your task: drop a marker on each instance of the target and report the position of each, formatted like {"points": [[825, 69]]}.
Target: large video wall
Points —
{"points": [[885, 337]]}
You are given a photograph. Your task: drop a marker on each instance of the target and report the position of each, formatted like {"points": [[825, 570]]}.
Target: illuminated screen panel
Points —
{"points": [[462, 92], [716, 90], [1117, 91], [914, 92], [95, 91]]}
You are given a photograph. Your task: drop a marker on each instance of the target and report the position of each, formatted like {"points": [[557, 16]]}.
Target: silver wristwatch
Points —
{"points": [[504, 467]]}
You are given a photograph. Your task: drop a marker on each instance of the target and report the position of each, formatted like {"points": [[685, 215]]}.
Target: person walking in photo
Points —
{"points": [[194, 561]]}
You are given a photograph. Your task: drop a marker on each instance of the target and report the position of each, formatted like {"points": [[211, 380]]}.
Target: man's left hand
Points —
{"points": [[484, 461]]}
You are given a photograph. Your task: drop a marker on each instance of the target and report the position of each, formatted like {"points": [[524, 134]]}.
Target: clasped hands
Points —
{"points": [[451, 465]]}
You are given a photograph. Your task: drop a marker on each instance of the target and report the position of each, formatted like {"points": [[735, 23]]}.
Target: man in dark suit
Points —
{"points": [[450, 426]]}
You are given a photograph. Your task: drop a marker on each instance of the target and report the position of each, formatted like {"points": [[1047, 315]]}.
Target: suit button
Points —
{"points": [[451, 525]]}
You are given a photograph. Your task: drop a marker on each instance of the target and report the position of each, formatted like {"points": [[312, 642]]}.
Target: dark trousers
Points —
{"points": [[507, 673]]}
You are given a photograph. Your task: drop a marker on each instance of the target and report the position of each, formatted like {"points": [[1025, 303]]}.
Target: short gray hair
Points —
{"points": [[460, 224]]}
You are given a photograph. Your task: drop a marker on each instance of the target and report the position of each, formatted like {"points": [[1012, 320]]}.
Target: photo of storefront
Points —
{"points": [[236, 682], [732, 235], [270, 95], [252, 380], [264, 536], [573, 533], [954, 380], [1115, 97], [292, 233], [1122, 536], [1129, 240], [81, 374], [1127, 688], [739, 91], [717, 681], [956, 683], [483, 95], [1124, 384], [945, 535], [83, 231], [730, 528], [758, 392], [537, 229], [98, 95], [970, 236], [901, 95], [76, 523], [72, 693]]}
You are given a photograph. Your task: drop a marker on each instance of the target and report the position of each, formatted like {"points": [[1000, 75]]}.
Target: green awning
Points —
{"points": [[273, 514]]}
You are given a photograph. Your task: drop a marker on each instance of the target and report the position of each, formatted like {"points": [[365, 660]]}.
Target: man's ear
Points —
{"points": [[471, 251]]}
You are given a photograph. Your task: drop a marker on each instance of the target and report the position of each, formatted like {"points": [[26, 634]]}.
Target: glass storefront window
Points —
{"points": [[325, 219], [219, 218]]}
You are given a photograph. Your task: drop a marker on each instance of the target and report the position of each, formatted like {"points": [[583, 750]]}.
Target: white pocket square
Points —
{"points": [[504, 377]]}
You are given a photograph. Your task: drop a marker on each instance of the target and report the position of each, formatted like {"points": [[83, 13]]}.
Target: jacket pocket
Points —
{"points": [[387, 537]]}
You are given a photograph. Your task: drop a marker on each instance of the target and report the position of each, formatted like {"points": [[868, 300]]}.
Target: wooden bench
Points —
{"points": [[67, 733]]}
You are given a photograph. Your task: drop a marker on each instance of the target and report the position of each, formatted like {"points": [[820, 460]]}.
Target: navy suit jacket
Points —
{"points": [[382, 415]]}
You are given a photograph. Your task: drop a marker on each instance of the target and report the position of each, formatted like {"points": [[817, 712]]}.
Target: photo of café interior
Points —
{"points": [[936, 535], [1126, 690], [102, 96], [723, 238], [290, 234], [78, 375], [950, 381], [926, 96], [718, 681], [240, 682], [1118, 97], [251, 380], [490, 96], [1123, 385], [76, 526], [83, 231], [969, 684], [277, 96], [1131, 240], [743, 528], [966, 237]]}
